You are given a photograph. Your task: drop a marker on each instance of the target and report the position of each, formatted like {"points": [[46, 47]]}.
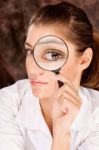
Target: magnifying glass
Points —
{"points": [[51, 53]]}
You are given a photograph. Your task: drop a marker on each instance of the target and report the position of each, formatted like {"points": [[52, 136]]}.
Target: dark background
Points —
{"points": [[14, 19]]}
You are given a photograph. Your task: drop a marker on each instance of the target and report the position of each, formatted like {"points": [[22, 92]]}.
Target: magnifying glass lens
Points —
{"points": [[50, 53]]}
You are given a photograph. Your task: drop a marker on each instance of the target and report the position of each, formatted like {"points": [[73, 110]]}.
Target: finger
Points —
{"points": [[65, 80], [69, 99], [62, 78], [59, 92], [67, 92], [71, 94], [66, 100], [63, 105], [56, 110]]}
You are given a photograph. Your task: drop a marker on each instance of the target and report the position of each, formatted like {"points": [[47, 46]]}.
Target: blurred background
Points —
{"points": [[14, 20]]}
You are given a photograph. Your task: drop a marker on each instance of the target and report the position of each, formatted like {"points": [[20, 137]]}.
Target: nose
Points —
{"points": [[32, 68]]}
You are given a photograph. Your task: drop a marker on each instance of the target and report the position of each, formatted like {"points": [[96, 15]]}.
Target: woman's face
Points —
{"points": [[42, 82]]}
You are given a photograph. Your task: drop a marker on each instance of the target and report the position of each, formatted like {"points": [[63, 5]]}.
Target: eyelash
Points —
{"points": [[29, 52], [54, 51]]}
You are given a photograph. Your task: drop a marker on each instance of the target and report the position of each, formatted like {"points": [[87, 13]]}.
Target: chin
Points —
{"points": [[39, 94], [42, 92]]}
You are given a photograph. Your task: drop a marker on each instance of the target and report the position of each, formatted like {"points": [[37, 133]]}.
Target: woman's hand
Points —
{"points": [[65, 108]]}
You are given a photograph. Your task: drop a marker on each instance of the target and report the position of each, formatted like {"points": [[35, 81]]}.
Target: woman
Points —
{"points": [[41, 114]]}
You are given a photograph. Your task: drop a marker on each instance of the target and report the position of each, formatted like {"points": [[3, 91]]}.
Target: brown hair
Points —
{"points": [[5, 77], [14, 18], [80, 33]]}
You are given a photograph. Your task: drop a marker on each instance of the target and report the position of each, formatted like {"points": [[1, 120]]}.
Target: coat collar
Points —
{"points": [[82, 120], [82, 125], [30, 116]]}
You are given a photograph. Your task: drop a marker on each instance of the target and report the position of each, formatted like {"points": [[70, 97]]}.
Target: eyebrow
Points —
{"points": [[27, 44], [43, 41], [46, 42]]}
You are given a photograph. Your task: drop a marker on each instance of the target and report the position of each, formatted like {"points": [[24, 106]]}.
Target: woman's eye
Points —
{"points": [[29, 52], [53, 56]]}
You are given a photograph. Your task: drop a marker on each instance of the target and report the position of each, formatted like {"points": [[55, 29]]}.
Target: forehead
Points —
{"points": [[36, 32]]}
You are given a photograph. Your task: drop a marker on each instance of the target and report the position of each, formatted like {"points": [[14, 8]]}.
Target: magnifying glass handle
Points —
{"points": [[59, 82]]}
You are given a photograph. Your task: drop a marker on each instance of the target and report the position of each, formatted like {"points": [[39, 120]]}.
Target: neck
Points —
{"points": [[46, 107]]}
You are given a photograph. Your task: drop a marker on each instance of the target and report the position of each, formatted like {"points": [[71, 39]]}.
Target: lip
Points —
{"points": [[38, 83]]}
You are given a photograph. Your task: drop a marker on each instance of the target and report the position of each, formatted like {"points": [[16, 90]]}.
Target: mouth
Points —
{"points": [[38, 83]]}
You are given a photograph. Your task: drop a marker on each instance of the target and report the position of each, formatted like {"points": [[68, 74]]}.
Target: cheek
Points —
{"points": [[71, 70], [44, 92], [48, 90], [26, 64]]}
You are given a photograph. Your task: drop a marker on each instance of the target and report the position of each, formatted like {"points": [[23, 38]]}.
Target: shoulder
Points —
{"points": [[16, 88], [93, 96], [12, 96]]}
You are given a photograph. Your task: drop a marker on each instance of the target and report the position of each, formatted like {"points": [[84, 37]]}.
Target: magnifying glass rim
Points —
{"points": [[58, 38]]}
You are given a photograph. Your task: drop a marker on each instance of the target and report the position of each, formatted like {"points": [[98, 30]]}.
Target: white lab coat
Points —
{"points": [[22, 126]]}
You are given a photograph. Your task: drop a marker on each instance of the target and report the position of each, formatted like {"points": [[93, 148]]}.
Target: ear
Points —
{"points": [[86, 58]]}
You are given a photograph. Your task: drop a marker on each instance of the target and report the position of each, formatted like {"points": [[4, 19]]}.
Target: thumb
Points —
{"points": [[56, 108]]}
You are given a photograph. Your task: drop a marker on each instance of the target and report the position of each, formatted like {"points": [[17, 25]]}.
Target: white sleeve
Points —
{"points": [[92, 141], [10, 135]]}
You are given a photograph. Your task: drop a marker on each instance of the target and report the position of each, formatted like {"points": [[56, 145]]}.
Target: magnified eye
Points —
{"points": [[29, 52], [53, 55]]}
